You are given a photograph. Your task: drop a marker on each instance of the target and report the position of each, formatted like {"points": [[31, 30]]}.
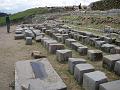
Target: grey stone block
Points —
{"points": [[93, 40], [63, 55], [73, 61], [113, 85], [92, 80], [109, 61], [83, 50], [54, 47], [69, 41], [107, 47], [115, 50], [28, 40], [98, 44], [75, 45], [38, 38], [44, 38], [95, 55], [37, 75], [18, 32], [19, 36], [117, 67], [80, 70]]}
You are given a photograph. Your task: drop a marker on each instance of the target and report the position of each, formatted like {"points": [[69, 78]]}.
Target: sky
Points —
{"points": [[13, 6]]}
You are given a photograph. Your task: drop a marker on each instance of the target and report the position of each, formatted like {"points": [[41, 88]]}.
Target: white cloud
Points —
{"points": [[13, 6]]}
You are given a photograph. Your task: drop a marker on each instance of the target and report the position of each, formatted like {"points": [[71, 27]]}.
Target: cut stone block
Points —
{"points": [[113, 85], [80, 69], [83, 50], [75, 45], [19, 36], [98, 44], [95, 55], [18, 32], [73, 61], [54, 47], [107, 47], [63, 55], [48, 42], [37, 75], [93, 40], [29, 33], [115, 50], [108, 40], [92, 80], [28, 40], [38, 38], [83, 38], [109, 61], [69, 41], [117, 67], [44, 38]]}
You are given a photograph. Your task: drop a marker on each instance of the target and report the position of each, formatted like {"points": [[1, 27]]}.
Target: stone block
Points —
{"points": [[80, 70], [73, 61], [43, 39], [117, 67], [75, 45], [83, 50], [95, 55], [63, 55], [93, 40], [54, 47], [113, 85], [107, 47], [18, 32], [109, 60], [37, 75], [19, 36], [48, 42], [92, 80], [115, 50], [69, 41], [38, 38], [98, 44], [28, 40]]}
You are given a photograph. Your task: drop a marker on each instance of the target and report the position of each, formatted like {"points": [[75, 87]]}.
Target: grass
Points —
{"points": [[23, 15]]}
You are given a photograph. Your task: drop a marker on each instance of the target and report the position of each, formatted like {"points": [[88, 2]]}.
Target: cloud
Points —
{"points": [[13, 6]]}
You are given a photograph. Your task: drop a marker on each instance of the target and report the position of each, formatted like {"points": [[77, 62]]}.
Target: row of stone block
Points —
{"points": [[85, 74], [112, 62]]}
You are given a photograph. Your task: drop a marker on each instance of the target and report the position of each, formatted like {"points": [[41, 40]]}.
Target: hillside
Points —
{"points": [[21, 16], [105, 5]]}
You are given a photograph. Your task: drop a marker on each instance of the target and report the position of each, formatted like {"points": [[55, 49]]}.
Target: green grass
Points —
{"points": [[23, 15]]}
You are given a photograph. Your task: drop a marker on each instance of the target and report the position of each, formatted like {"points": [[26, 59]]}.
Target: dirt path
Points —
{"points": [[10, 51]]}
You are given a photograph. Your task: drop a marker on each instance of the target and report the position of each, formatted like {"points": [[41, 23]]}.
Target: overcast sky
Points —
{"points": [[13, 6]]}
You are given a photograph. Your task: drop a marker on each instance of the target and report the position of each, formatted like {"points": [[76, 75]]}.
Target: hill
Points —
{"points": [[2, 14], [21, 16], [105, 5]]}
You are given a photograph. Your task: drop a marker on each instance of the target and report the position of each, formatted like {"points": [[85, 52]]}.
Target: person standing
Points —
{"points": [[8, 23]]}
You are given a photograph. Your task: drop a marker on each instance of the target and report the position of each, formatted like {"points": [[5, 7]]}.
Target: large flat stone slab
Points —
{"points": [[37, 75], [80, 69], [92, 80], [95, 55], [19, 36], [109, 60], [63, 55], [73, 61], [113, 85]]}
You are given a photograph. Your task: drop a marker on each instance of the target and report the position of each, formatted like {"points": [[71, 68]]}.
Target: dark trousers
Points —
{"points": [[8, 27]]}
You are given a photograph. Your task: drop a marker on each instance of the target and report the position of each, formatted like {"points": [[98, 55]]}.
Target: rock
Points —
{"points": [[54, 47], [113, 85], [117, 67], [83, 50], [37, 75], [69, 41], [109, 61], [63, 55], [92, 80], [38, 38], [37, 54], [18, 32], [93, 40], [75, 45], [19, 36], [80, 69], [28, 40], [73, 61], [95, 55]]}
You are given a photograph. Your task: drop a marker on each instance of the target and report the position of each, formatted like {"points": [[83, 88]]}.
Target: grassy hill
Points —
{"points": [[21, 16]]}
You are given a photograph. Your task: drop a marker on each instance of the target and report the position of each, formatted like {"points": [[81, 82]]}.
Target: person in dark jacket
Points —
{"points": [[8, 23]]}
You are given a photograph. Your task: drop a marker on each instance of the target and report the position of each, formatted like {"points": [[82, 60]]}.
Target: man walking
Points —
{"points": [[8, 23]]}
